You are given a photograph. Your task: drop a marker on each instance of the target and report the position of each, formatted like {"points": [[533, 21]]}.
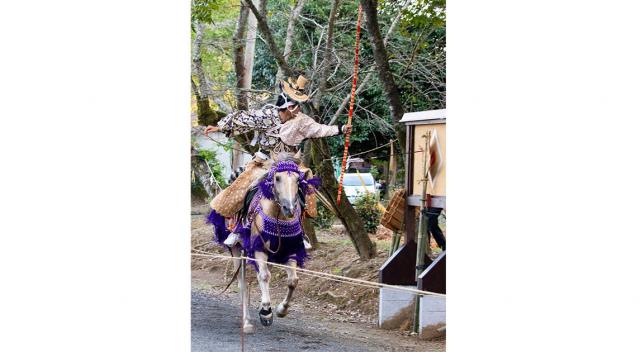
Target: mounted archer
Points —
{"points": [[277, 128]]}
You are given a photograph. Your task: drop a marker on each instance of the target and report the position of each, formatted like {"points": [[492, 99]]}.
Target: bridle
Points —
{"points": [[276, 199]]}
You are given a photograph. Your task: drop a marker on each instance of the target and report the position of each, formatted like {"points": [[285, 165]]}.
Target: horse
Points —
{"points": [[270, 229]]}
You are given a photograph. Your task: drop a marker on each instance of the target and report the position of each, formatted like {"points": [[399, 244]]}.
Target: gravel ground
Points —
{"points": [[215, 326]]}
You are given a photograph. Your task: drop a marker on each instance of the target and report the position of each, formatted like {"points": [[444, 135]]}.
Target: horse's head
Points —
{"points": [[285, 180]]}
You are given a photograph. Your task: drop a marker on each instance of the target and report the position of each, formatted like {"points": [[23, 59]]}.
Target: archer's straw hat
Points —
{"points": [[295, 89]]}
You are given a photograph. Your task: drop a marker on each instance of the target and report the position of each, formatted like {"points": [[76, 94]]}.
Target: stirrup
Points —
{"points": [[232, 239], [306, 242]]}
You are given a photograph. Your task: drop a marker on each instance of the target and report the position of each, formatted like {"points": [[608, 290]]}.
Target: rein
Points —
{"points": [[278, 233], [268, 190]]}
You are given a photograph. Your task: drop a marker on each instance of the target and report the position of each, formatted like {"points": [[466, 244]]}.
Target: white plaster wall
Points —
{"points": [[432, 315], [392, 302]]}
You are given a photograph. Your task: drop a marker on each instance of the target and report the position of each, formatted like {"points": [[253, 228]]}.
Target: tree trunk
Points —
{"points": [[327, 57], [236, 156], [384, 71], [239, 58], [288, 42], [350, 219], [263, 26], [202, 174], [201, 90], [250, 48], [203, 108], [310, 231]]}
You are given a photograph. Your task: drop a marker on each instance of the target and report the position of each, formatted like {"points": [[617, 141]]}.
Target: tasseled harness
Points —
{"points": [[288, 232]]}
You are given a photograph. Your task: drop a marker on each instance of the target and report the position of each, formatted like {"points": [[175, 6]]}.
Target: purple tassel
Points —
{"points": [[290, 245], [220, 232], [290, 248], [266, 186], [315, 181]]}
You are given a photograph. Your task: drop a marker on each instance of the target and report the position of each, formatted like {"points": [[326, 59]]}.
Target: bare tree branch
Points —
{"points": [[366, 79], [328, 53], [391, 90], [288, 42], [263, 26]]}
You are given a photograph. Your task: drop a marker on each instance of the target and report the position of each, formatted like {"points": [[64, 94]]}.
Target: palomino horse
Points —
{"points": [[271, 231]]}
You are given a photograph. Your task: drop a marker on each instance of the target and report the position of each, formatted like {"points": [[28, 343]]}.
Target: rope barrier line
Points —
{"points": [[327, 276], [396, 153], [314, 274], [331, 158]]}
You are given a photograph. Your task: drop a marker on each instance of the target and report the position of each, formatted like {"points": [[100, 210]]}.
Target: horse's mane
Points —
{"points": [[286, 156]]}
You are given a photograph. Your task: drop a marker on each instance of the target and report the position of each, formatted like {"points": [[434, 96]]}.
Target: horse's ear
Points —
{"points": [[298, 155], [308, 174], [268, 163]]}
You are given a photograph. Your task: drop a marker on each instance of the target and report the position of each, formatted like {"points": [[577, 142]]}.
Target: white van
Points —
{"points": [[354, 188]]}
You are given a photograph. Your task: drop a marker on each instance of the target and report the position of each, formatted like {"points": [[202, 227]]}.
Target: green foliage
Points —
{"points": [[417, 52], [417, 12], [219, 17], [215, 166], [325, 217], [197, 191], [367, 207], [374, 172], [202, 10]]}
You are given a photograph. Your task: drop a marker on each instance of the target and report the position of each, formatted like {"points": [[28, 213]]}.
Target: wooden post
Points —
{"points": [[395, 243], [243, 292], [423, 224], [310, 231], [423, 228], [409, 215], [393, 169]]}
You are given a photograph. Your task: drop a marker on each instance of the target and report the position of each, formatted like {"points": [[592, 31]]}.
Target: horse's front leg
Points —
{"points": [[292, 282], [247, 327], [266, 316]]}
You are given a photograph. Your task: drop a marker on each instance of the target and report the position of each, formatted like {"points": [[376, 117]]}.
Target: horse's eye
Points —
{"points": [[277, 178]]}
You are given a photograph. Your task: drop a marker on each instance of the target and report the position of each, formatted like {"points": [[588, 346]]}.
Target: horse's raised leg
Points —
{"points": [[247, 327], [292, 282], [266, 316]]}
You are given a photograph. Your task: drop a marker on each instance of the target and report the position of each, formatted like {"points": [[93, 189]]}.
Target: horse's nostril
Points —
{"points": [[286, 210]]}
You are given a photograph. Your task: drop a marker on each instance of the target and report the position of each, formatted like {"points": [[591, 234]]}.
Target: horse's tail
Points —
{"points": [[235, 276]]}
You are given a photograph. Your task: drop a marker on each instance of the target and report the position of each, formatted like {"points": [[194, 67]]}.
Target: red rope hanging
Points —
{"points": [[353, 98]]}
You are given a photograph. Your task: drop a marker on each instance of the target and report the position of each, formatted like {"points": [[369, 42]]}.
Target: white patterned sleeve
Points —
{"points": [[242, 121]]}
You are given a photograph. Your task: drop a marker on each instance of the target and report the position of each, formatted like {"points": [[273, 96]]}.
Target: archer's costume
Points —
{"points": [[271, 135]]}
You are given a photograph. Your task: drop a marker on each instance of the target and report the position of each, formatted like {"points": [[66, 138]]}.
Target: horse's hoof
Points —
{"points": [[266, 317], [248, 328], [282, 311]]}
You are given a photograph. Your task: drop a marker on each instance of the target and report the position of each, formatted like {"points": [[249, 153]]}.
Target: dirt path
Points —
{"points": [[215, 322], [324, 316]]}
